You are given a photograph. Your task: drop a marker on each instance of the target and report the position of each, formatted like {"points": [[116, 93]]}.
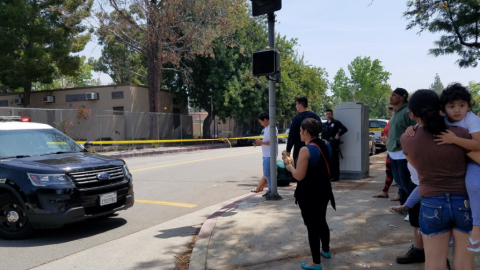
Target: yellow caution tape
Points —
{"points": [[174, 141], [375, 129]]}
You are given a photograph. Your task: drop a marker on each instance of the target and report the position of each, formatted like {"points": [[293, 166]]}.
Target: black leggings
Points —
{"points": [[314, 217]]}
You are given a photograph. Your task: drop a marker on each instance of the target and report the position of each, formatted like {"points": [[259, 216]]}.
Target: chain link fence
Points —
{"points": [[105, 125]]}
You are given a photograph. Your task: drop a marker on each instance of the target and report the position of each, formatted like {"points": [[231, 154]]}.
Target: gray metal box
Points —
{"points": [[356, 157]]}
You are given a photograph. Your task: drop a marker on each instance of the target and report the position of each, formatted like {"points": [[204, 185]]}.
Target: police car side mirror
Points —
{"points": [[88, 145]]}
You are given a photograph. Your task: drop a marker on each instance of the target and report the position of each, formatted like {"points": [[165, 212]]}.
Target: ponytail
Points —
{"points": [[426, 105], [433, 122]]}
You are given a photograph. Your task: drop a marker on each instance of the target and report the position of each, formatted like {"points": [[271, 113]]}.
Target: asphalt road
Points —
{"points": [[166, 187]]}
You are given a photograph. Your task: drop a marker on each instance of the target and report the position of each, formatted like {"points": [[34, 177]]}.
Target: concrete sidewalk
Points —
{"points": [[163, 150], [256, 234]]}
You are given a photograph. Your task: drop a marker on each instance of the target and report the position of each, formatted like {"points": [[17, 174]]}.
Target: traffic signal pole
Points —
{"points": [[273, 116]]}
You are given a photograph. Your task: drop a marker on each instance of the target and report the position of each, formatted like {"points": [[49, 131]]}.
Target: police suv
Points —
{"points": [[48, 180]]}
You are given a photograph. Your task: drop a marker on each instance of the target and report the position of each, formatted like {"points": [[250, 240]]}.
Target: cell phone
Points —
{"points": [[467, 203]]}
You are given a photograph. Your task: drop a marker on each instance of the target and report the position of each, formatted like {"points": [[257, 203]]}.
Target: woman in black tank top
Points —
{"points": [[314, 190]]}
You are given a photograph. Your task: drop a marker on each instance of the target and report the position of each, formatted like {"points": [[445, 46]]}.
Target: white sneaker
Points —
{"points": [[407, 218]]}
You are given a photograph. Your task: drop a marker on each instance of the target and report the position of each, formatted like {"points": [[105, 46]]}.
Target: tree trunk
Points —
{"points": [[27, 89], [152, 80], [206, 126]]}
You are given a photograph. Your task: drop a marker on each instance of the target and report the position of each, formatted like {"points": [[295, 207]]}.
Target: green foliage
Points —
{"points": [[457, 20], [36, 37], [437, 85], [475, 91], [121, 62], [83, 79], [367, 84], [228, 79]]}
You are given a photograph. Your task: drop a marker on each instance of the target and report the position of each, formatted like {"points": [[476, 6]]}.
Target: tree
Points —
{"points": [[227, 78], [167, 32], [475, 92], [367, 84], [83, 79], [37, 39], [120, 62], [458, 20], [437, 85]]}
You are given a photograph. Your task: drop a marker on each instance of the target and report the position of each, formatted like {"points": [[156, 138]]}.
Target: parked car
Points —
{"points": [[372, 145], [250, 133], [48, 180], [283, 132], [376, 127]]}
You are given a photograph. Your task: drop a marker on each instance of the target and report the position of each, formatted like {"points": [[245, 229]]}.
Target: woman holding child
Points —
{"points": [[441, 167]]}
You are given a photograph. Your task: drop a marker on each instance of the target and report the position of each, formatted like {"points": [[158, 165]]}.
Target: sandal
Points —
{"points": [[255, 190], [396, 198], [380, 195], [472, 243]]}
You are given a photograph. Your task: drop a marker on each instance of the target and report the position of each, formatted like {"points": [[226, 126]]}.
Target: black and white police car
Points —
{"points": [[48, 180]]}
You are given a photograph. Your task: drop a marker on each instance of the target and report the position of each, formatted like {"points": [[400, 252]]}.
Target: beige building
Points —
{"points": [[117, 112]]}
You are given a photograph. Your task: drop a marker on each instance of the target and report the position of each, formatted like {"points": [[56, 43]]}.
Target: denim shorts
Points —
{"points": [[442, 213]]}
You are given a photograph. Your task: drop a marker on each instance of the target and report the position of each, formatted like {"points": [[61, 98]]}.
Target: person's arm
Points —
{"points": [[341, 129], [293, 134], [475, 156], [302, 164], [450, 138], [260, 142], [413, 199]]}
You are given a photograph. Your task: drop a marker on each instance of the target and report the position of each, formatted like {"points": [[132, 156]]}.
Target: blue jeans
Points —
{"points": [[401, 174], [442, 213], [266, 170]]}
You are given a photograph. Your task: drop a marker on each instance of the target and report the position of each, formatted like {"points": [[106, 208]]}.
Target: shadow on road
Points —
{"points": [[68, 233], [180, 231]]}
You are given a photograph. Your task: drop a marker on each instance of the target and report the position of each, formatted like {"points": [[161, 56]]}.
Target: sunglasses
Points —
{"points": [[390, 109]]}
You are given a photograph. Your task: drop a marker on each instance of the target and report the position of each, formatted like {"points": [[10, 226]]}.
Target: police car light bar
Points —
{"points": [[14, 119]]}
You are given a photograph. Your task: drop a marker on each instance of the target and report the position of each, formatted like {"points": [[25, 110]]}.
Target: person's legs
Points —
{"points": [[335, 164], [266, 171], [389, 175], [416, 253], [262, 184], [472, 181], [394, 164], [324, 229], [463, 259], [436, 249], [402, 175], [311, 220], [388, 180]]}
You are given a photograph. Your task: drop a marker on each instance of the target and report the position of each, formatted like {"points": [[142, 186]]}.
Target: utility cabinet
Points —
{"points": [[355, 147]]}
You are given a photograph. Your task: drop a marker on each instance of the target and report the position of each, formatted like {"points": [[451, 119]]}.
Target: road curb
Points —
{"points": [[198, 259], [161, 152]]}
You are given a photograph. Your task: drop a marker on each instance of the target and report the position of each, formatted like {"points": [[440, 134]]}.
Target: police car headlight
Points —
{"points": [[42, 180], [127, 171]]}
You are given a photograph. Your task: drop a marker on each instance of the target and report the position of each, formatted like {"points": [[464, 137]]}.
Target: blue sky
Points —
{"points": [[332, 33]]}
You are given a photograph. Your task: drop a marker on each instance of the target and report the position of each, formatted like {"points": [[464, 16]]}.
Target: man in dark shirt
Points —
{"points": [[331, 131], [294, 141]]}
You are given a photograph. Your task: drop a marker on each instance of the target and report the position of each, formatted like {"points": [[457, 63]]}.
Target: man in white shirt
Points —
{"points": [[264, 120]]}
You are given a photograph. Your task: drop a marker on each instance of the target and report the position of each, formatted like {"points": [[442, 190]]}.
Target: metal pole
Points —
{"points": [[273, 116], [211, 117]]}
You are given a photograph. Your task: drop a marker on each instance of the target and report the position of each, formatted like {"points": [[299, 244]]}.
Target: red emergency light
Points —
{"points": [[25, 119]]}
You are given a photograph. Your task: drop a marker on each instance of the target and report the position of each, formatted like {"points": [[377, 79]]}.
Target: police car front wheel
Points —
{"points": [[14, 223]]}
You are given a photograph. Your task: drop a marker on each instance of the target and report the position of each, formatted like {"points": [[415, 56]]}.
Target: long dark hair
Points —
{"points": [[312, 126], [426, 105]]}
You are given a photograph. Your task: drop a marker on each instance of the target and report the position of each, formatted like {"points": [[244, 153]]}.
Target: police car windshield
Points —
{"points": [[33, 142]]}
